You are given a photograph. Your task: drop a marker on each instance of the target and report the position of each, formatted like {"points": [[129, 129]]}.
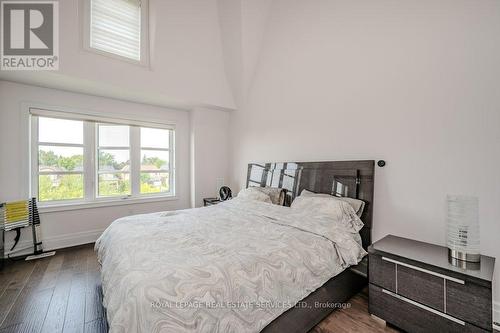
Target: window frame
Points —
{"points": [[145, 42], [35, 165], [139, 166], [90, 166], [98, 147]]}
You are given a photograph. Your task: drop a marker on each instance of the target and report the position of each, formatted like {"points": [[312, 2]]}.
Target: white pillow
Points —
{"points": [[276, 194], [252, 193], [339, 211], [358, 205]]}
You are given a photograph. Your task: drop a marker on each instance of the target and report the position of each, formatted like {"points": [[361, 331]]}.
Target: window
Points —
{"points": [[89, 160], [155, 161], [113, 160], [118, 28], [60, 159]]}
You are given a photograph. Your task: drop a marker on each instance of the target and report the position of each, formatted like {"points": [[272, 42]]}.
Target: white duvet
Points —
{"points": [[232, 267]]}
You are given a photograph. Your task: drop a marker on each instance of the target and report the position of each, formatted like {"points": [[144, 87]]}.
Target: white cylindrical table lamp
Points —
{"points": [[463, 228]]}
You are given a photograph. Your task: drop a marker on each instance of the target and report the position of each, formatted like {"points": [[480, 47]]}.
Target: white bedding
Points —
{"points": [[233, 267]]}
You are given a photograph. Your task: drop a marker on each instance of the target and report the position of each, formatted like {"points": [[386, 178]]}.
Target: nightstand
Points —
{"points": [[211, 201], [2, 237], [414, 286]]}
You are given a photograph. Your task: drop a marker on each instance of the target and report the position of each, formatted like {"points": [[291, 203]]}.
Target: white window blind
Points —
{"points": [[115, 27]]}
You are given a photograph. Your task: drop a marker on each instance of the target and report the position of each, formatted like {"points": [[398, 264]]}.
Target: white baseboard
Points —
{"points": [[55, 242], [73, 239], [496, 315]]}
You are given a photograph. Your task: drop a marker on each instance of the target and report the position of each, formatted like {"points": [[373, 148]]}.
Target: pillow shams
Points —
{"points": [[339, 211], [358, 205], [252, 194], [275, 195]]}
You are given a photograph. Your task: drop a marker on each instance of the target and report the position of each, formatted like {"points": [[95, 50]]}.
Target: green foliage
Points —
{"points": [[50, 159], [153, 182], [63, 187], [108, 159], [148, 187], [156, 161], [67, 187], [70, 163], [59, 187], [145, 177], [116, 187]]}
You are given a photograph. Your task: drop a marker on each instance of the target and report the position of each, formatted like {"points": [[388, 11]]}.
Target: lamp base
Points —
{"points": [[463, 256], [473, 266]]}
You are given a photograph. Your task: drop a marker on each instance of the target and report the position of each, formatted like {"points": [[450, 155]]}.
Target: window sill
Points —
{"points": [[144, 63], [60, 207]]}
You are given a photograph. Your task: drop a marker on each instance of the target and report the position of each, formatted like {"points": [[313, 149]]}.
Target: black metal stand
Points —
{"points": [[35, 224]]}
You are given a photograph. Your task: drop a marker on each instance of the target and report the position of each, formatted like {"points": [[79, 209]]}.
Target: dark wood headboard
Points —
{"points": [[352, 179]]}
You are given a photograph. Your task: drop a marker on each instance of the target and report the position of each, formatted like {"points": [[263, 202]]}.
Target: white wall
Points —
{"points": [[242, 25], [186, 69], [74, 227], [416, 83], [209, 153], [229, 13], [186, 58]]}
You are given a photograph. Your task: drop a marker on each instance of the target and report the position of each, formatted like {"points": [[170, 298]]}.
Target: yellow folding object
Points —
{"points": [[16, 211]]}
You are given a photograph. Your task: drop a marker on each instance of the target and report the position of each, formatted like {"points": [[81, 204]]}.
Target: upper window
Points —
{"points": [[118, 28], [86, 160]]}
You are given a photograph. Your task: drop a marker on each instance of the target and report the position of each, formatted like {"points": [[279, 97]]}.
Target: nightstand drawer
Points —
{"points": [[412, 316], [421, 286], [469, 301], [382, 272], [444, 293]]}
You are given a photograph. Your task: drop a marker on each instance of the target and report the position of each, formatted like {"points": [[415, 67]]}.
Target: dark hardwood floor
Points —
{"points": [[55, 294], [63, 294]]}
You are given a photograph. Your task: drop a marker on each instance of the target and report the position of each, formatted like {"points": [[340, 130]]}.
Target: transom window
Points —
{"points": [[118, 28], [86, 160]]}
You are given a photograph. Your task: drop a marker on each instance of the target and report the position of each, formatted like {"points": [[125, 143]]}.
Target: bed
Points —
{"points": [[240, 266]]}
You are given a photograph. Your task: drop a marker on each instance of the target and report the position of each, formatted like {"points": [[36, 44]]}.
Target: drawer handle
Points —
{"points": [[458, 321], [424, 270]]}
